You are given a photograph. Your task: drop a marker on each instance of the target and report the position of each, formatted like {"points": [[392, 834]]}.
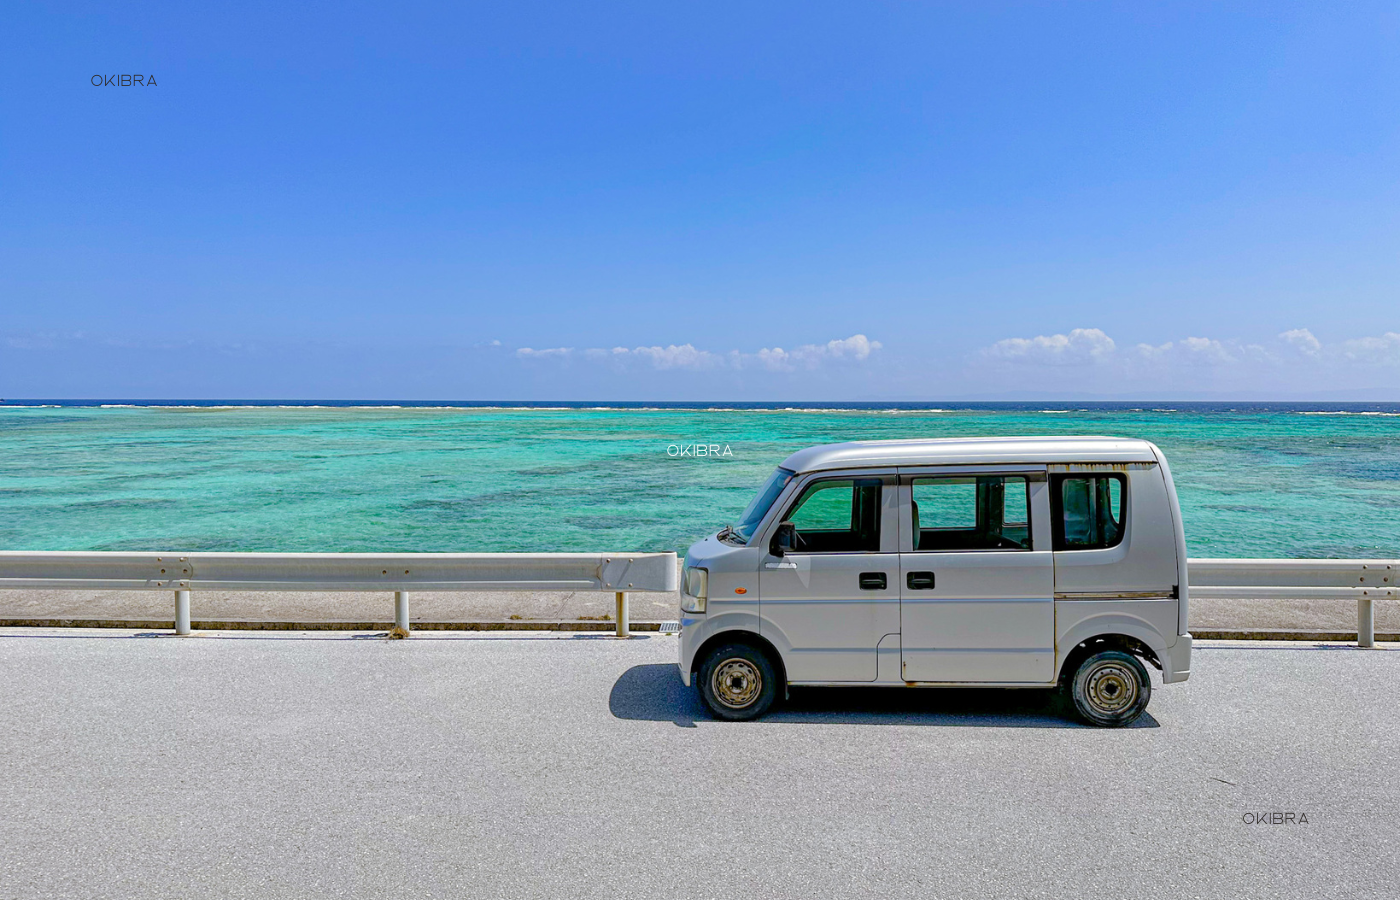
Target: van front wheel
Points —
{"points": [[738, 682], [1110, 689]]}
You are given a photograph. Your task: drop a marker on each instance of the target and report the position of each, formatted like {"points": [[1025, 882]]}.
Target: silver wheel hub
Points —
{"points": [[736, 683], [1111, 688]]}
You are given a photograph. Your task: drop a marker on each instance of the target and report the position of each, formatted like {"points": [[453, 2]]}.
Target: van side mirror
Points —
{"points": [[784, 539]]}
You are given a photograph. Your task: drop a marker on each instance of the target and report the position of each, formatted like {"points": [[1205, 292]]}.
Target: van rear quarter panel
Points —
{"points": [[1151, 621], [1087, 582], [1145, 560]]}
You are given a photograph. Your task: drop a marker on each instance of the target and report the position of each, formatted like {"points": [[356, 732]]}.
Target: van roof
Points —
{"points": [[971, 451]]}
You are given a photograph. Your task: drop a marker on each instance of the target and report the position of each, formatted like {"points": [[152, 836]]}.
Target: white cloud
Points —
{"points": [[1302, 340], [1149, 352], [48, 340], [552, 353], [1199, 351], [1383, 350], [1082, 346], [1295, 351], [855, 349], [684, 356], [1207, 348]]}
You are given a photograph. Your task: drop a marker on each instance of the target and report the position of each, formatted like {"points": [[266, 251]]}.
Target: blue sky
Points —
{"points": [[700, 201]]}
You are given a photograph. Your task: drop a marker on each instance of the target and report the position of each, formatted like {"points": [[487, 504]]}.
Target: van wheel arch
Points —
{"points": [[1124, 642], [741, 637]]}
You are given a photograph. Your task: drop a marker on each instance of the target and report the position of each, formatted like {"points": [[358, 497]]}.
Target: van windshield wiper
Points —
{"points": [[729, 532]]}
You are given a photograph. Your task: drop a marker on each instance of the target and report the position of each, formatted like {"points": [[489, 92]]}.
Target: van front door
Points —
{"points": [[977, 577], [827, 602]]}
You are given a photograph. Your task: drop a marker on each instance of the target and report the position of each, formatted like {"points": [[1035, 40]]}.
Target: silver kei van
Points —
{"points": [[1001, 562]]}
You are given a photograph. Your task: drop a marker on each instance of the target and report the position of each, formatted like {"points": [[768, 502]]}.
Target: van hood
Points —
{"points": [[710, 550]]}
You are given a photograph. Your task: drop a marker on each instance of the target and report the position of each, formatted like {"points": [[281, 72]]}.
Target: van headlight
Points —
{"points": [[696, 590]]}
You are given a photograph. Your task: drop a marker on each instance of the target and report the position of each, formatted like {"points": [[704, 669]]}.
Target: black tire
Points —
{"points": [[737, 682], [1110, 689]]}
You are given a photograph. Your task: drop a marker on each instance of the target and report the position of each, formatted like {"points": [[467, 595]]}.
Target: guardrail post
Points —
{"points": [[400, 629], [624, 626], [1365, 622], [182, 612]]}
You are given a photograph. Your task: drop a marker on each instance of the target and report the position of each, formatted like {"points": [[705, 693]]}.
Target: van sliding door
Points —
{"points": [[977, 578]]}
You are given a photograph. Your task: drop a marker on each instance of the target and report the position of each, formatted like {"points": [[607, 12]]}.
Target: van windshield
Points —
{"points": [[758, 507]]}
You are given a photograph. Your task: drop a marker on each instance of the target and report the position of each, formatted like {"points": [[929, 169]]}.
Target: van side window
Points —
{"points": [[839, 515], [971, 512], [1087, 510]]}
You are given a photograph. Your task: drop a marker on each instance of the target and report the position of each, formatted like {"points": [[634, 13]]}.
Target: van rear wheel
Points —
{"points": [[1110, 689], [738, 682]]}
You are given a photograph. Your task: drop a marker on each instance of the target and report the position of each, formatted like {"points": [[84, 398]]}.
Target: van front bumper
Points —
{"points": [[688, 643], [1176, 664]]}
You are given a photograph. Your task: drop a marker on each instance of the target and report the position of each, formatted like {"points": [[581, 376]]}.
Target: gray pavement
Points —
{"points": [[453, 765]]}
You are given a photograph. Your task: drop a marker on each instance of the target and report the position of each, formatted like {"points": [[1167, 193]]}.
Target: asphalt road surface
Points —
{"points": [[477, 766]]}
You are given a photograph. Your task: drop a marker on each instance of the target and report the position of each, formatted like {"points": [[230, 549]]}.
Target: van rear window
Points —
{"points": [[1087, 510]]}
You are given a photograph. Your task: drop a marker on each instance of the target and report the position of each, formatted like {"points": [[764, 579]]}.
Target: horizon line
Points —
{"points": [[21, 402]]}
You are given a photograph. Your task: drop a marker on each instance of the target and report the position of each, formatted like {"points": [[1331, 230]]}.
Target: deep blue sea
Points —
{"points": [[1255, 479]]}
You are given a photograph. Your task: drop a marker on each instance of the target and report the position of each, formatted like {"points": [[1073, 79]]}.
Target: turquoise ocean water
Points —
{"points": [[1255, 480]]}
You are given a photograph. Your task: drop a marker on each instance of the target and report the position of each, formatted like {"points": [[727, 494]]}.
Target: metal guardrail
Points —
{"points": [[1364, 580], [183, 573]]}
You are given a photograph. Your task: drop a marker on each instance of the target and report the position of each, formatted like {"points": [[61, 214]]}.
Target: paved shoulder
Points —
{"points": [[579, 766]]}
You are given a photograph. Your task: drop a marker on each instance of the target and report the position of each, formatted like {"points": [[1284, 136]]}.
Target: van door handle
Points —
{"points": [[873, 581], [920, 581]]}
